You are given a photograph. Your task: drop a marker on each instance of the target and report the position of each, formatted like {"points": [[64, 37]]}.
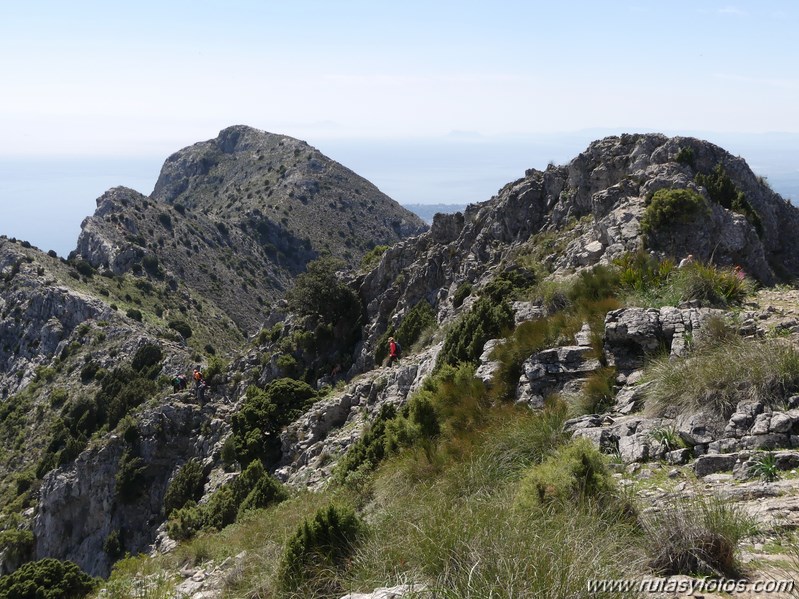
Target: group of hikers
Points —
{"points": [[180, 382]]}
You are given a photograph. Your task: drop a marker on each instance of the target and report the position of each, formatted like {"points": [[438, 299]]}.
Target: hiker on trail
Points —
{"points": [[199, 384], [689, 259], [179, 383], [393, 351]]}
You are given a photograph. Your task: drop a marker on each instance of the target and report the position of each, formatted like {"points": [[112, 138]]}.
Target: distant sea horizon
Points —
{"points": [[44, 200]]}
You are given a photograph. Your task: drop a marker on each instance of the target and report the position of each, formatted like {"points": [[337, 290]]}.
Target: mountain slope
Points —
{"points": [[237, 217], [547, 225]]}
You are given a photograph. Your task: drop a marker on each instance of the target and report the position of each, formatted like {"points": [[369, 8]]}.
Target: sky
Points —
{"points": [[113, 88]]}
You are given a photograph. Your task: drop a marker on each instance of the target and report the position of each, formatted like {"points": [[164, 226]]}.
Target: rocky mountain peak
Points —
{"points": [[589, 212], [239, 216]]}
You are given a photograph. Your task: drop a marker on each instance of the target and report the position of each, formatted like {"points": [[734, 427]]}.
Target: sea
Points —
{"points": [[43, 200]]}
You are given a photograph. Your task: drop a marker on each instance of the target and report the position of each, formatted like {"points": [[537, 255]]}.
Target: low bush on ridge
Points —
{"points": [[254, 488], [318, 551], [669, 206], [575, 472]]}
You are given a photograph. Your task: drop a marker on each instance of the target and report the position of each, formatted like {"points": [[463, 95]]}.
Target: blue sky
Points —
{"points": [[143, 79]]}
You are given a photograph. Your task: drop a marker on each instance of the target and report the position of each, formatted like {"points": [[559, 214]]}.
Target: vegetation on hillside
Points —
{"points": [[457, 489]]}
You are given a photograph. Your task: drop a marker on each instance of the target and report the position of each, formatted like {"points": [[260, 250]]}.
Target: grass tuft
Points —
{"points": [[698, 537], [718, 377]]}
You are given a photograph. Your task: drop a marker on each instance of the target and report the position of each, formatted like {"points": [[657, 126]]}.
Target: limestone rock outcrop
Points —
{"points": [[83, 503], [594, 204]]}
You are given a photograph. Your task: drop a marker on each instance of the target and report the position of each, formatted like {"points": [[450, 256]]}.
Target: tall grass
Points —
{"points": [[698, 537], [535, 335], [461, 533], [718, 377], [645, 280]]}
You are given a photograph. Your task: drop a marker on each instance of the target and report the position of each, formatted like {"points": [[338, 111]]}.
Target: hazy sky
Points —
{"points": [[144, 79]]}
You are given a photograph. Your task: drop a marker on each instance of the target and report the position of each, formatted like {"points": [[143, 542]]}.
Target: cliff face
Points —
{"points": [[231, 222]]}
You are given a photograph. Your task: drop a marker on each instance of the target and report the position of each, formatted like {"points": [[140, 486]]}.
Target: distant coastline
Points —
{"points": [[427, 211], [44, 199]]}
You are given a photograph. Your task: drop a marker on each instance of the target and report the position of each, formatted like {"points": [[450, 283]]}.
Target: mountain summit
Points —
{"points": [[236, 218]]}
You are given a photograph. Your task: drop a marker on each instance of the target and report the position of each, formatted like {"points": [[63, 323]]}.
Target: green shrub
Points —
{"points": [[319, 548], [187, 485], [418, 423], [216, 366], [181, 326], [228, 453], [597, 394], [134, 314], [221, 508], [574, 473], [765, 467], [17, 544], [372, 257], [318, 292], [122, 390], [266, 491], [370, 449], [594, 285], [668, 207], [113, 545], [44, 373], [711, 286], [509, 284], [668, 437], [88, 371], [254, 488], [84, 268], [185, 522], [130, 477], [466, 338], [418, 318], [47, 579], [146, 356], [24, 481], [264, 412], [641, 272], [686, 156], [165, 220], [722, 190], [463, 291], [697, 538]]}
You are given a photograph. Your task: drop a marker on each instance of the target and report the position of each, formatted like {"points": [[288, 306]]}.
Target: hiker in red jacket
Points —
{"points": [[393, 351]]}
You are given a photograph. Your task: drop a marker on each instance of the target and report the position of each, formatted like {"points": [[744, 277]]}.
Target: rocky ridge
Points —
{"points": [[593, 206]]}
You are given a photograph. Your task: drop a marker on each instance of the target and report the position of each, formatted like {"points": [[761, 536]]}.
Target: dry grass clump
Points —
{"points": [[697, 537], [717, 377]]}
